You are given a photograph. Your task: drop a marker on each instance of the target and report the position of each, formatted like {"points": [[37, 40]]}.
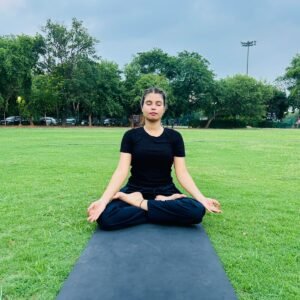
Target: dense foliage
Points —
{"points": [[58, 73]]}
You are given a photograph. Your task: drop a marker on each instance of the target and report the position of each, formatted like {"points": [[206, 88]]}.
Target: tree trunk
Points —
{"points": [[77, 109], [90, 120], [20, 124], [45, 119], [209, 121], [6, 108]]}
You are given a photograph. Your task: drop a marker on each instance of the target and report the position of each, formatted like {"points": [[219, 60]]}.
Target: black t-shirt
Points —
{"points": [[152, 157]]}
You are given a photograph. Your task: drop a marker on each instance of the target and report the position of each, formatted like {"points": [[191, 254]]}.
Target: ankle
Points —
{"points": [[144, 204]]}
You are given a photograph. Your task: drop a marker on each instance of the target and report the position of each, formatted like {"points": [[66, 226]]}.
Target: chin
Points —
{"points": [[153, 119]]}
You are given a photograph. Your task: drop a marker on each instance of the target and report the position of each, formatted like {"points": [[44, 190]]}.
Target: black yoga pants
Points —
{"points": [[183, 211]]}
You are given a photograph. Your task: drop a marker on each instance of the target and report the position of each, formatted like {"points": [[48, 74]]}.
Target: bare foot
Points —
{"points": [[172, 197], [128, 197]]}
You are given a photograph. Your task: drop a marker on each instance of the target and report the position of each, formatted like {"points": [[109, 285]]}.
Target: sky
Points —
{"points": [[213, 28]]}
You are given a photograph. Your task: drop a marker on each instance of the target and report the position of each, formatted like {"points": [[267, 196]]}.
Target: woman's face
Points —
{"points": [[153, 108]]}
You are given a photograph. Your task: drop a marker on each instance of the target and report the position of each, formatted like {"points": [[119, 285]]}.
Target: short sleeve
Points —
{"points": [[126, 144], [178, 145]]}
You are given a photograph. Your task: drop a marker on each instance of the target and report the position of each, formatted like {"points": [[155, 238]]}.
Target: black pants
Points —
{"points": [[119, 214]]}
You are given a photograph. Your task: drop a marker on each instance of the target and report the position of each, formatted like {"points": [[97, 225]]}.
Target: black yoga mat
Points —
{"points": [[148, 261]]}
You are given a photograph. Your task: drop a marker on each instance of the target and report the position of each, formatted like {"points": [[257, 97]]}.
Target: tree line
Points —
{"points": [[58, 73]]}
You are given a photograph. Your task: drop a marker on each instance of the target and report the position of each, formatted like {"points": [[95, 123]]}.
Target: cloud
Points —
{"points": [[213, 28], [11, 6]]}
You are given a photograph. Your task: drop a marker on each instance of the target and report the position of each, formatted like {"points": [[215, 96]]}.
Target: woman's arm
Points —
{"points": [[189, 185], [117, 178], [116, 181]]}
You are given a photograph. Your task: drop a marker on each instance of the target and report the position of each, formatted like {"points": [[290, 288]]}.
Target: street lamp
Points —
{"points": [[248, 44]]}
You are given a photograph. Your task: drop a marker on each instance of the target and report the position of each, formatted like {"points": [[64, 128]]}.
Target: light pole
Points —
{"points": [[248, 44]]}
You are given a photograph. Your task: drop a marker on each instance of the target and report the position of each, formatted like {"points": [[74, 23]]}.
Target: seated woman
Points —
{"points": [[150, 194]]}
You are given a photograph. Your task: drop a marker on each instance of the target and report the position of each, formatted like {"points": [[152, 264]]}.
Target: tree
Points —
{"points": [[18, 59], [244, 97], [157, 62], [110, 91], [97, 88], [292, 80], [278, 104], [63, 47], [23, 108], [63, 51], [189, 81], [132, 73], [213, 104], [1, 102], [193, 83], [44, 95]]}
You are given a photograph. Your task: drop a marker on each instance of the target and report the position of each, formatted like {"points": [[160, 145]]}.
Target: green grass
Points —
{"points": [[48, 177]]}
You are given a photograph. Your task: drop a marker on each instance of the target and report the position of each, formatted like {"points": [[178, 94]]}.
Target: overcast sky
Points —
{"points": [[213, 28]]}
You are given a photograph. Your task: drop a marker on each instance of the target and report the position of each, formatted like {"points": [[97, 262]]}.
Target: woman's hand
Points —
{"points": [[212, 205], [95, 210]]}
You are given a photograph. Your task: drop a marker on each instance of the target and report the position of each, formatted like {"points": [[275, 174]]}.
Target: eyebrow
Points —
{"points": [[154, 100]]}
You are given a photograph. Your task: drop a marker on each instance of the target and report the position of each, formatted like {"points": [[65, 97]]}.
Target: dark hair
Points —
{"points": [[154, 90]]}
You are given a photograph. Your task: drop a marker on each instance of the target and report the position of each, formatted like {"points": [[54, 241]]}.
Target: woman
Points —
{"points": [[150, 194]]}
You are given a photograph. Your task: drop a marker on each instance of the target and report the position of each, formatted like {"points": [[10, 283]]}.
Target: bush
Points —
{"points": [[288, 122], [218, 123]]}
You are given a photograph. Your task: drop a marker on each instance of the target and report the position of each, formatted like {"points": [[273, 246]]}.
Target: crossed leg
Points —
{"points": [[132, 209], [162, 209]]}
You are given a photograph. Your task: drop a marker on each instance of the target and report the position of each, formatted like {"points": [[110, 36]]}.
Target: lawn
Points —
{"points": [[48, 177]]}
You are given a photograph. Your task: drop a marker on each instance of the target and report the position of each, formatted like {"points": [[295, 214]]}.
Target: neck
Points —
{"points": [[153, 126]]}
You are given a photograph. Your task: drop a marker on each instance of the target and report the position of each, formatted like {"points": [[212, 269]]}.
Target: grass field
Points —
{"points": [[48, 177]]}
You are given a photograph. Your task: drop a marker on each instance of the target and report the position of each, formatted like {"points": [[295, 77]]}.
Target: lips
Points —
{"points": [[153, 114]]}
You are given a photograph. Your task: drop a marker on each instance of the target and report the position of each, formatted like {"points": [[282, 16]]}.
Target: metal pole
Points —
{"points": [[247, 59], [248, 44]]}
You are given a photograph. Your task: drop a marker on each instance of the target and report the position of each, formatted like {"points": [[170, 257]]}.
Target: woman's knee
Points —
{"points": [[109, 216], [199, 211], [196, 210], [105, 220]]}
